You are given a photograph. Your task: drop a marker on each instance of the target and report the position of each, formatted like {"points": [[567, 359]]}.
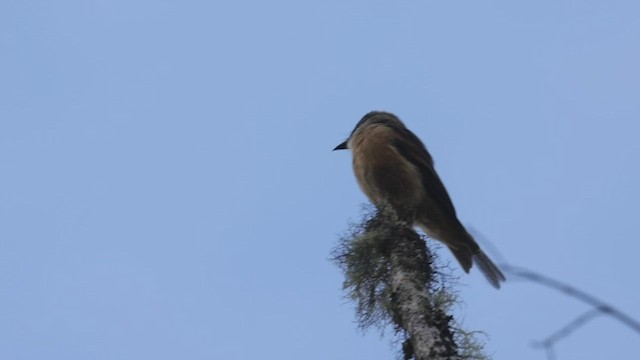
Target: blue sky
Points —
{"points": [[168, 190]]}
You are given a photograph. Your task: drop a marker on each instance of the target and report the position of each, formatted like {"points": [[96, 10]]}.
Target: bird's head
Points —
{"points": [[378, 118]]}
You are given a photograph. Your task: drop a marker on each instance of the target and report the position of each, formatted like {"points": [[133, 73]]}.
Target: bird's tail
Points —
{"points": [[489, 269], [466, 258]]}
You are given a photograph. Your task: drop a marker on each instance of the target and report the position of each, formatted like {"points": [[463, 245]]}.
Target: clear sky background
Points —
{"points": [[168, 189]]}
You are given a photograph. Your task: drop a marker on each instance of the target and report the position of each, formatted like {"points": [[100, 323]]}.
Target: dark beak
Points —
{"points": [[342, 146]]}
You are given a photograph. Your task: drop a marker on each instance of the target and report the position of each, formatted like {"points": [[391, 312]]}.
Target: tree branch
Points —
{"points": [[599, 307], [549, 342], [598, 304], [427, 326], [389, 274]]}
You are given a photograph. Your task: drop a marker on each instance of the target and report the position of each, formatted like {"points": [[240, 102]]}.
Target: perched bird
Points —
{"points": [[393, 168]]}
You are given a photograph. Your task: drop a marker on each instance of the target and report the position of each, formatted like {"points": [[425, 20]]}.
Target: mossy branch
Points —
{"points": [[391, 276]]}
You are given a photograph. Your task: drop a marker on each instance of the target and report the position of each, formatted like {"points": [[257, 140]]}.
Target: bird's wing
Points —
{"points": [[412, 149]]}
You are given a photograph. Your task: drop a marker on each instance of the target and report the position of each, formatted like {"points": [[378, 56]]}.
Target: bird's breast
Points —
{"points": [[385, 176]]}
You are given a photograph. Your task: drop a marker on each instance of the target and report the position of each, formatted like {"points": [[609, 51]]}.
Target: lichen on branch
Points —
{"points": [[391, 275]]}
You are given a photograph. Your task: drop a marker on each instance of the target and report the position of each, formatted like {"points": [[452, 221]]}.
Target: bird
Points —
{"points": [[393, 168]]}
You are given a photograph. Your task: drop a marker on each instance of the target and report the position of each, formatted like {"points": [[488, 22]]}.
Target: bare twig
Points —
{"points": [[598, 304], [549, 342], [599, 307]]}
